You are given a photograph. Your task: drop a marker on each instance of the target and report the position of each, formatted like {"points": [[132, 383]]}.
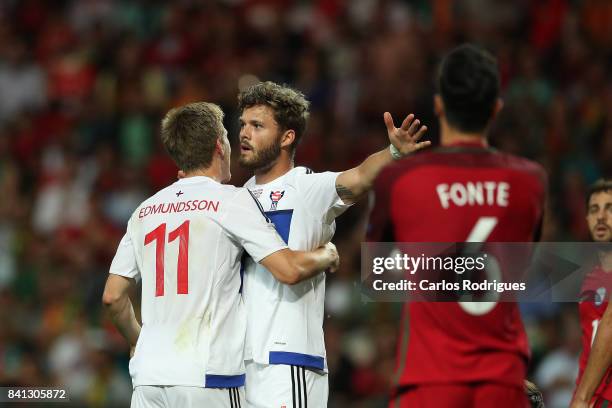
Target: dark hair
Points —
{"points": [[468, 81], [189, 134], [599, 186], [289, 105]]}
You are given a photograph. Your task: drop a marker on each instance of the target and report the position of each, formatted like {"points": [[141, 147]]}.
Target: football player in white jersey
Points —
{"points": [[286, 363], [185, 244]]}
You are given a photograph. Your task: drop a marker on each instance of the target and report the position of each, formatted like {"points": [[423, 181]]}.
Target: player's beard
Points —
{"points": [[262, 158]]}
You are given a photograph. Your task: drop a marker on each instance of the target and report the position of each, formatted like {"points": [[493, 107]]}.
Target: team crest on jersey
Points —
{"points": [[257, 193], [275, 197], [600, 297]]}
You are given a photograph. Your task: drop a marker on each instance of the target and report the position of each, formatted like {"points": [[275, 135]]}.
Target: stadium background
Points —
{"points": [[83, 86]]}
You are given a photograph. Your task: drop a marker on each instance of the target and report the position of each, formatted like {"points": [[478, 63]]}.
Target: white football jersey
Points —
{"points": [[185, 243], [285, 322]]}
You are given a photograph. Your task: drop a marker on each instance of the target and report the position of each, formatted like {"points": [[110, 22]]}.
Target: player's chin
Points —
{"points": [[248, 161], [602, 236]]}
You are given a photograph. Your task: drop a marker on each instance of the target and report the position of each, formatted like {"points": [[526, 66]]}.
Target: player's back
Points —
{"points": [[193, 322], [455, 194]]}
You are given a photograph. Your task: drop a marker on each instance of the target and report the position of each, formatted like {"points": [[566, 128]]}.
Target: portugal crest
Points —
{"points": [[275, 197]]}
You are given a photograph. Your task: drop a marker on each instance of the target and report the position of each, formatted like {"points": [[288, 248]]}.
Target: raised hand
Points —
{"points": [[406, 138]]}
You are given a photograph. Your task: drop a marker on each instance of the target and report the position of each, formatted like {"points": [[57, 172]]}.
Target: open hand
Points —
{"points": [[406, 137]]}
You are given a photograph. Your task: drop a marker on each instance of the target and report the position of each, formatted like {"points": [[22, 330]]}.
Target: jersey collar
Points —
{"points": [[475, 143], [272, 182]]}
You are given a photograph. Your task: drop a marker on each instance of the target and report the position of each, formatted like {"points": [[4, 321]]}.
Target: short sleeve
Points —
{"points": [[318, 191], [246, 223], [124, 263]]}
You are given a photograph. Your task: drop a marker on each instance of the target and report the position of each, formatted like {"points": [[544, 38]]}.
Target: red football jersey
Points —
{"points": [[595, 289], [463, 192]]}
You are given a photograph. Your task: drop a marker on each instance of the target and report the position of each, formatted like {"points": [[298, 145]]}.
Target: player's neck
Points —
{"points": [[451, 136], [209, 172], [279, 168]]}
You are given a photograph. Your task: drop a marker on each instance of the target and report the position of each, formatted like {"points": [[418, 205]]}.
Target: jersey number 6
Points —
{"points": [[480, 233], [159, 236]]}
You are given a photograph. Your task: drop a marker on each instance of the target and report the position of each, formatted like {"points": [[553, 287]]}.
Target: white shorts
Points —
{"points": [[153, 396], [284, 386]]}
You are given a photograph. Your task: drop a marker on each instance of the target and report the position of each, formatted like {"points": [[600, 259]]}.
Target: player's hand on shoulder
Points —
{"points": [[406, 138], [331, 248]]}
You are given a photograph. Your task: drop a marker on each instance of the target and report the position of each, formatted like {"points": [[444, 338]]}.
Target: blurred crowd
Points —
{"points": [[83, 87]]}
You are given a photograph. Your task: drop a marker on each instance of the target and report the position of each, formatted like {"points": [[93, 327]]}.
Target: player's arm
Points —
{"points": [[123, 273], [292, 267], [246, 223], [600, 359], [353, 184], [117, 301]]}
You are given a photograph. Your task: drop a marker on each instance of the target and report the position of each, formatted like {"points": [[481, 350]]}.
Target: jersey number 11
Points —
{"points": [[159, 236]]}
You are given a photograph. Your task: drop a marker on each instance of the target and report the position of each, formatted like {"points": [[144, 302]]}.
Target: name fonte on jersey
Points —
{"points": [[474, 193]]}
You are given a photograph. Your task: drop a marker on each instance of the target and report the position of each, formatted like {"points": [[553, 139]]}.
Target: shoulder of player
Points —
{"points": [[233, 192], [155, 198], [524, 165], [243, 199], [293, 176], [453, 156], [299, 171], [225, 191], [303, 170], [234, 200]]}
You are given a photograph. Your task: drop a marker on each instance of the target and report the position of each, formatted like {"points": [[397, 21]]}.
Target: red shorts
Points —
{"points": [[480, 395]]}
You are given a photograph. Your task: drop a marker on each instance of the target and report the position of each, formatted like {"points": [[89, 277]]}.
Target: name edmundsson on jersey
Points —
{"points": [[191, 205]]}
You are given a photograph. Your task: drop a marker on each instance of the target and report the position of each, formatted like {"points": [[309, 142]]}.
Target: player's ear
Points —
{"points": [[288, 138], [438, 105], [499, 105], [219, 148]]}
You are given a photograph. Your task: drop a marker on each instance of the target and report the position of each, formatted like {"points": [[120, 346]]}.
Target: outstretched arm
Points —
{"points": [[353, 184], [599, 361]]}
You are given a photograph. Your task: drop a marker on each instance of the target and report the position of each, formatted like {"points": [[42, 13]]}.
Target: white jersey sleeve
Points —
{"points": [[124, 263], [318, 190], [246, 223]]}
